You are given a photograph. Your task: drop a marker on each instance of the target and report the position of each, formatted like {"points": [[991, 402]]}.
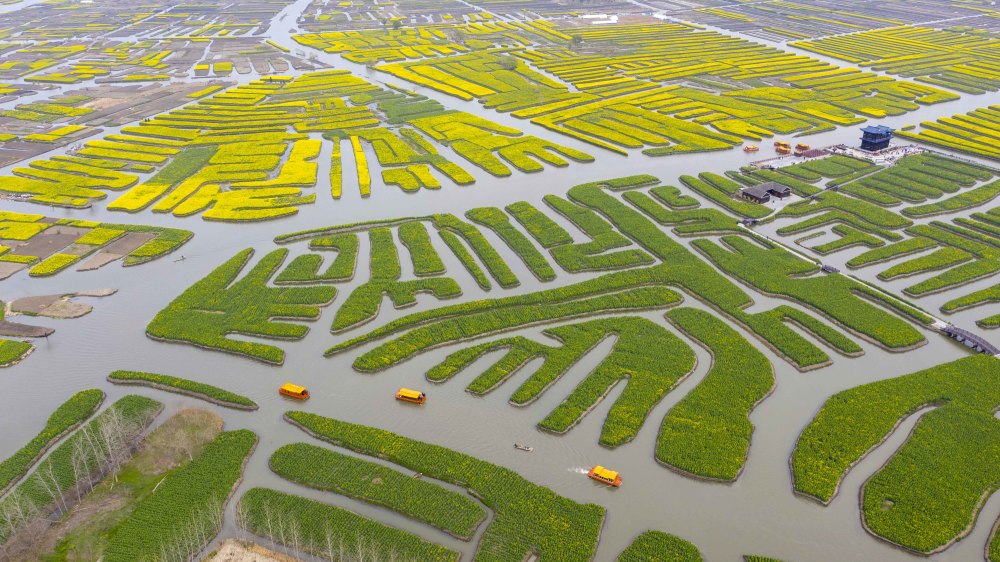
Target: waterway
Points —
{"points": [[757, 514]]}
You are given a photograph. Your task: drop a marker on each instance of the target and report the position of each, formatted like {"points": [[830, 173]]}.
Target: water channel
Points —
{"points": [[757, 514]]}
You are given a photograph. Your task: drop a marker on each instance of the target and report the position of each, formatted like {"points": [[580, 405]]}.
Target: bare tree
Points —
{"points": [[79, 462], [116, 433], [294, 536], [328, 536], [268, 516], [46, 477], [242, 520], [361, 549], [282, 539], [93, 460]]}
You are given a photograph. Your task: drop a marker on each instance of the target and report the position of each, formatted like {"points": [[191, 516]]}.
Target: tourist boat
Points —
{"points": [[751, 148], [783, 150], [294, 391], [605, 476], [780, 143], [523, 447], [802, 147], [408, 395]]}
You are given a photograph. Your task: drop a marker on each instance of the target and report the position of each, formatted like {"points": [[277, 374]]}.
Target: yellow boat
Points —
{"points": [[605, 476], [751, 148], [294, 391], [408, 395]]}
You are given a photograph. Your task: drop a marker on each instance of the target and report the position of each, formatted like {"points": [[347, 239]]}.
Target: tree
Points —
{"points": [[507, 62]]}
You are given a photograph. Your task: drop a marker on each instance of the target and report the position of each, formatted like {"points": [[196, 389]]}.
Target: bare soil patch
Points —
{"points": [[238, 551]]}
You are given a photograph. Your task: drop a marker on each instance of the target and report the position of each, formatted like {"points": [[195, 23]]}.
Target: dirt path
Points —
{"points": [[236, 551]]}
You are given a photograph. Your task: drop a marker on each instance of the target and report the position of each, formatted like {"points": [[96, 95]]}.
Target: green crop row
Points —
{"points": [[495, 219], [186, 511], [651, 360], [480, 246], [864, 211], [219, 305], [708, 432], [964, 200], [831, 336], [480, 318], [363, 303], [184, 386], [798, 187], [941, 258], [519, 352], [323, 469], [929, 493], [976, 298], [593, 255], [461, 252], [528, 518], [327, 531], [425, 258], [778, 272], [892, 251], [77, 461], [722, 191], [960, 275], [673, 197], [989, 322], [840, 216], [687, 222], [842, 180], [540, 226], [621, 291], [957, 238], [835, 166], [915, 179], [67, 416], [657, 546], [854, 421], [848, 237], [520, 348], [304, 269]]}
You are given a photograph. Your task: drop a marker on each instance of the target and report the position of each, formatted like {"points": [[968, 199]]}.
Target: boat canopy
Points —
{"points": [[411, 394], [605, 473], [293, 388]]}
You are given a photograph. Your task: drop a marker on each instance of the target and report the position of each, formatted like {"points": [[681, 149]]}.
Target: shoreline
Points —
{"points": [[185, 392]]}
